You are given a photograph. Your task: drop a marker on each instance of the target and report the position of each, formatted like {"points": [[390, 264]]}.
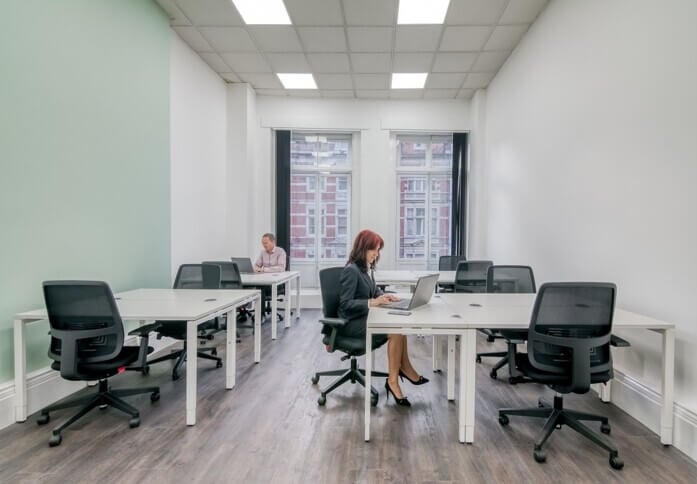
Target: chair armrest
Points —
{"points": [[334, 323], [619, 342]]}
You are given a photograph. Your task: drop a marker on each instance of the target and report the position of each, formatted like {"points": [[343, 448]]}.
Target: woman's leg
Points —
{"points": [[395, 350], [405, 363]]}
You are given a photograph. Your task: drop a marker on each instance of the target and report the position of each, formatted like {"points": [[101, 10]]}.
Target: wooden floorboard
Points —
{"points": [[270, 429]]}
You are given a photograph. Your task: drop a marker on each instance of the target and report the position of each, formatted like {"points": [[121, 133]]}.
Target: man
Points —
{"points": [[272, 258]]}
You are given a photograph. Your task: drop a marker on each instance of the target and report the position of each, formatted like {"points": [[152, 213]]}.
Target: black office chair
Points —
{"points": [[244, 264], [230, 278], [190, 276], [329, 281], [470, 277], [87, 345], [509, 279], [568, 350], [448, 263]]}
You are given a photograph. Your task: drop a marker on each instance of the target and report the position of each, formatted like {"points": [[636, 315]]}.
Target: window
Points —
{"points": [[424, 164], [320, 202]]}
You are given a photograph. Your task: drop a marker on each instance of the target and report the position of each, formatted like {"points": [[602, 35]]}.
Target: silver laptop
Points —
{"points": [[425, 287]]}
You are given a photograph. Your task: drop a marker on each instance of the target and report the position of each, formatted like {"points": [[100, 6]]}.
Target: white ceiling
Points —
{"points": [[352, 46]]}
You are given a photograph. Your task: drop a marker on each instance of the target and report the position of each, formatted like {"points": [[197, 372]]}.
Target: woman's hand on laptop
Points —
{"points": [[384, 299]]}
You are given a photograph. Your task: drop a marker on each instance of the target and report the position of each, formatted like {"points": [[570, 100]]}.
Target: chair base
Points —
{"points": [[352, 374], [556, 417], [180, 357], [104, 397]]}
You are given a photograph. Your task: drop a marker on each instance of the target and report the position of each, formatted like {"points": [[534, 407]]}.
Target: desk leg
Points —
{"points": [[451, 367], [435, 354], [297, 297], [368, 381], [468, 352], [20, 372], [258, 310], [191, 350], [667, 386], [231, 352], [286, 305], [274, 308]]}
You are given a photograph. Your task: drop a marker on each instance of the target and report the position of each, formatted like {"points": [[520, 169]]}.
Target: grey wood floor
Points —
{"points": [[269, 428]]}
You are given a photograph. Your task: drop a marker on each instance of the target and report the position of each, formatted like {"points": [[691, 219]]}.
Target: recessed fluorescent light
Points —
{"points": [[263, 12], [409, 80], [422, 11], [297, 81]]}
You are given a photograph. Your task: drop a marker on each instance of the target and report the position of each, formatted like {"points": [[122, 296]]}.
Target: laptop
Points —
{"points": [[244, 264], [425, 287]]}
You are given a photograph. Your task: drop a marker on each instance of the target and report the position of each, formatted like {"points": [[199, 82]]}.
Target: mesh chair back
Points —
{"points": [[449, 262], [330, 287], [510, 279], [229, 274], [470, 276], [80, 305], [244, 264], [570, 330], [197, 276]]}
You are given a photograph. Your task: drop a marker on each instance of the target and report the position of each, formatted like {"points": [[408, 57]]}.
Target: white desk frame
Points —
{"points": [[500, 311], [274, 279], [194, 306]]}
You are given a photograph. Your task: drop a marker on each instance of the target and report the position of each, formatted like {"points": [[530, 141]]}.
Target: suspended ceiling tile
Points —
{"points": [[228, 39]]}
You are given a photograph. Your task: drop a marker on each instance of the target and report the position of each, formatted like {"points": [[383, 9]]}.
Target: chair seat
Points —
{"points": [[557, 382], [514, 333], [105, 369], [177, 329], [354, 346]]}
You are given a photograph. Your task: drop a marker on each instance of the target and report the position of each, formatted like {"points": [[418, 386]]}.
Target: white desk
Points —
{"points": [[388, 277], [194, 306], [274, 279], [500, 311]]}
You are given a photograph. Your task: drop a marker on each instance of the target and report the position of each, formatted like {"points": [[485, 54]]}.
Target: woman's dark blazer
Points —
{"points": [[357, 287]]}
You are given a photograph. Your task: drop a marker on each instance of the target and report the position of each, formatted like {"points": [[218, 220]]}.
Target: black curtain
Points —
{"points": [[459, 195], [283, 192]]}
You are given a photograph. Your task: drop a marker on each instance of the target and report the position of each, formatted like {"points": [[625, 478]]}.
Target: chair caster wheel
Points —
{"points": [[43, 419], [315, 379], [374, 401], [539, 455], [214, 352], [503, 420], [218, 364], [479, 359], [616, 462], [134, 422], [493, 374], [145, 370], [322, 400], [512, 380], [55, 440], [104, 406], [490, 339], [175, 376], [605, 428], [154, 396]]}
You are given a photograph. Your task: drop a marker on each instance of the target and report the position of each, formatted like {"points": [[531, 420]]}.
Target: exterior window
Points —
{"points": [[424, 176], [320, 202]]}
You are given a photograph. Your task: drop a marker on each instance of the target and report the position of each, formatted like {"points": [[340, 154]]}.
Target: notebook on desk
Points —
{"points": [[425, 287]]}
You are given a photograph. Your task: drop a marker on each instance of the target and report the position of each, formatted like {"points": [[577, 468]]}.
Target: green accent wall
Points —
{"points": [[84, 153]]}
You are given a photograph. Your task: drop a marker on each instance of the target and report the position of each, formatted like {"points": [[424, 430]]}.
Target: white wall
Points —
{"points": [[198, 127], [374, 183], [591, 130]]}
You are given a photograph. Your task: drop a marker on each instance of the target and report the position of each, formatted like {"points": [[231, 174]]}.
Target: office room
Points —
{"points": [[140, 135]]}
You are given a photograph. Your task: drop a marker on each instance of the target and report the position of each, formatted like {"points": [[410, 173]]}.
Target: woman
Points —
{"points": [[358, 293]]}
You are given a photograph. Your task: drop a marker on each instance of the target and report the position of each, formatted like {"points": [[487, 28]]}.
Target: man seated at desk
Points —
{"points": [[272, 258]]}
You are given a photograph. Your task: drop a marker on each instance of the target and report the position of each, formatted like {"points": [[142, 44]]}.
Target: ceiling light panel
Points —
{"points": [[412, 80], [422, 11], [263, 12], [297, 81]]}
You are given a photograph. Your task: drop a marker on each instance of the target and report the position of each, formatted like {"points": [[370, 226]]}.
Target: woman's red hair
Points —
{"points": [[365, 240]]}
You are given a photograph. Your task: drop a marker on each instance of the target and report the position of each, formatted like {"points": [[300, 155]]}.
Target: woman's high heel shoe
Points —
{"points": [[420, 381], [400, 401]]}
